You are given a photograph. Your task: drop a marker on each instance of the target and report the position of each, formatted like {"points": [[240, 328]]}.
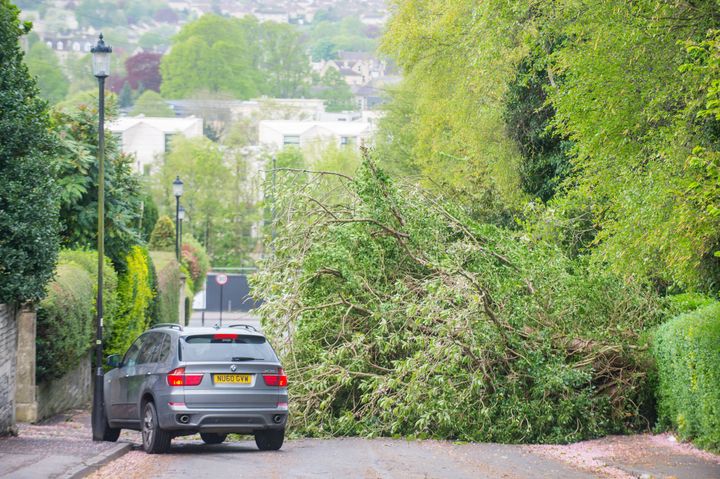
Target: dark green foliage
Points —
{"points": [[168, 288], [76, 167], [163, 235], [396, 314], [545, 163], [66, 316], [149, 216], [687, 350], [28, 193]]}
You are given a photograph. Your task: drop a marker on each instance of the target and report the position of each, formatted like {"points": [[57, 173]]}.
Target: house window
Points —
{"points": [[347, 140], [291, 140]]}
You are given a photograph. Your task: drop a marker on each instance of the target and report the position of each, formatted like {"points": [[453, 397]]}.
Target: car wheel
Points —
{"points": [[212, 438], [155, 440], [270, 440]]}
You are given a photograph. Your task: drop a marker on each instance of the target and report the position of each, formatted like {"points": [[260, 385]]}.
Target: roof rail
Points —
{"points": [[167, 325], [246, 326]]}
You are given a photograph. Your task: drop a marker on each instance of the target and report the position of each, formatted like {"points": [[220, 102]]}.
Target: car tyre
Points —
{"points": [[155, 440], [212, 437], [270, 440]]}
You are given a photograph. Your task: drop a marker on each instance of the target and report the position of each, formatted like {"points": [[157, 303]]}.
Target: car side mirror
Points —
{"points": [[113, 360]]}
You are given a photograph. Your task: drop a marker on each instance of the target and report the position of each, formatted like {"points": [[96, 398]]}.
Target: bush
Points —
{"points": [[65, 322], [135, 300], [195, 259], [66, 317], [168, 287], [396, 314], [688, 360], [29, 196], [163, 235], [87, 260]]}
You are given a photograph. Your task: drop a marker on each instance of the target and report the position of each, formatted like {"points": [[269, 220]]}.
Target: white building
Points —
{"points": [[280, 133], [148, 137]]}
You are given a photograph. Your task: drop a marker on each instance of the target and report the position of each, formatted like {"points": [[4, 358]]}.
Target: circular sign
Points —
{"points": [[221, 279]]}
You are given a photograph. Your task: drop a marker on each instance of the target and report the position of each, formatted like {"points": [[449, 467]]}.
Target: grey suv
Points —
{"points": [[175, 381]]}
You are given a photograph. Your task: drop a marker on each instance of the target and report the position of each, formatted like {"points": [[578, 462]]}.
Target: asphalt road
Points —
{"points": [[342, 458]]}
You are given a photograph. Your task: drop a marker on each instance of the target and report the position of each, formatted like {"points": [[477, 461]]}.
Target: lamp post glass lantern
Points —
{"points": [[101, 69], [177, 191]]}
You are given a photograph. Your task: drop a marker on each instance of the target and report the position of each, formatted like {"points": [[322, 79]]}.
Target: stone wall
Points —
{"points": [[73, 390], [8, 349]]}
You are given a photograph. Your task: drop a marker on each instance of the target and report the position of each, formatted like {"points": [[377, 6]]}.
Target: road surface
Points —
{"points": [[642, 456]]}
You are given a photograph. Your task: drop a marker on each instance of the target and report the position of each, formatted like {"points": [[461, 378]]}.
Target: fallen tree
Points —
{"points": [[396, 314]]}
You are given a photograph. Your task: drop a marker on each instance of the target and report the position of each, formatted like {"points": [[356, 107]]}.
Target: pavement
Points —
{"points": [[59, 447]]}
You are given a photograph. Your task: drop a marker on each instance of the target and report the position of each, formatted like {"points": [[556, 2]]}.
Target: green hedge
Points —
{"points": [[687, 350], [168, 287], [66, 317], [135, 302], [195, 259], [64, 321]]}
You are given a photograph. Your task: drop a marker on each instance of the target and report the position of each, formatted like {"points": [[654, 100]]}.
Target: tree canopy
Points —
{"points": [[602, 111], [28, 192]]}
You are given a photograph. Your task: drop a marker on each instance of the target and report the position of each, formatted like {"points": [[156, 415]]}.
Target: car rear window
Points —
{"points": [[226, 348]]}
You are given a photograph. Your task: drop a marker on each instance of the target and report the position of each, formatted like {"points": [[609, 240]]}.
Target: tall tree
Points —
{"points": [[45, 67], [28, 192], [210, 54], [143, 71]]}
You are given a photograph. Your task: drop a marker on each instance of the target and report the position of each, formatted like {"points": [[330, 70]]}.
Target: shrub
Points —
{"points": [[195, 259], [168, 287], [29, 195], [65, 323], [66, 317], [87, 260], [135, 299], [163, 235], [396, 314], [687, 350]]}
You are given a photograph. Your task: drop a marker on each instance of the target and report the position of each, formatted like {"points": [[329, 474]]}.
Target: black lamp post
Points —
{"points": [[101, 70], [181, 217], [177, 191]]}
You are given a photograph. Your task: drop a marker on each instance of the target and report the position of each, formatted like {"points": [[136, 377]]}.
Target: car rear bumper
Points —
{"points": [[241, 421]]}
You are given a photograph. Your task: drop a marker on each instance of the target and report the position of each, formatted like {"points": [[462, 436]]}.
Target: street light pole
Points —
{"points": [[101, 70], [181, 217], [177, 191]]}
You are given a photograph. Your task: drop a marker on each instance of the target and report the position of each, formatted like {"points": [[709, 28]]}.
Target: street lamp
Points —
{"points": [[101, 70], [181, 217], [177, 191]]}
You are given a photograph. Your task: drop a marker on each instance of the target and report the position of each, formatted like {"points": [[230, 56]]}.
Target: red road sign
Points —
{"points": [[221, 279]]}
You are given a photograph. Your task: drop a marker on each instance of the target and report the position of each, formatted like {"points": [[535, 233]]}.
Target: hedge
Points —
{"points": [[168, 287], [135, 302], [64, 321], [195, 259], [66, 317], [687, 351]]}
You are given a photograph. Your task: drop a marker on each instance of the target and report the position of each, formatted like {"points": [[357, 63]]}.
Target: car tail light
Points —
{"points": [[177, 377], [279, 379], [225, 336]]}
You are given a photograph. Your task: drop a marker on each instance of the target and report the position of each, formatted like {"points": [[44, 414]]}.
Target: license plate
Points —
{"points": [[232, 378]]}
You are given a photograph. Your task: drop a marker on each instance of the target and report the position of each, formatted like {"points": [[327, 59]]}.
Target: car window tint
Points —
{"points": [[164, 349], [150, 347], [130, 358], [226, 348]]}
